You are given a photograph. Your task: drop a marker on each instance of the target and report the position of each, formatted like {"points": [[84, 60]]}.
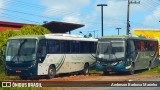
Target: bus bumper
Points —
{"points": [[21, 71], [111, 68]]}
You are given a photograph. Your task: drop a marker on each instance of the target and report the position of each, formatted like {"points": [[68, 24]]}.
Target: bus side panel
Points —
{"points": [[65, 63], [50, 59], [155, 61], [141, 61], [75, 62], [43, 68]]}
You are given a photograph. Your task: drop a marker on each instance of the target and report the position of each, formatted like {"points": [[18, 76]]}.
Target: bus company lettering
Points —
{"points": [[15, 84], [77, 57]]}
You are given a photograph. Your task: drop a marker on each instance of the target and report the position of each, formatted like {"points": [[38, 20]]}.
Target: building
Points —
{"points": [[11, 25], [61, 27], [53, 26]]}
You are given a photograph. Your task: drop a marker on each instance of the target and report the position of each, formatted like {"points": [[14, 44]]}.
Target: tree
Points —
{"points": [[34, 30], [90, 35]]}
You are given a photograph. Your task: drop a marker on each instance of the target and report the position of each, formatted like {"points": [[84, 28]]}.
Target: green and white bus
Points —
{"points": [[50, 54], [126, 54]]}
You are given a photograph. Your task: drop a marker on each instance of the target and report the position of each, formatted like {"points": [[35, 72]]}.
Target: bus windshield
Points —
{"points": [[19, 50], [117, 49], [103, 48], [110, 50]]}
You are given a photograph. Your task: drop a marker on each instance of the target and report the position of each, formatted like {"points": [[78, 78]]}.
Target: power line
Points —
{"points": [[24, 13], [14, 17], [31, 5]]}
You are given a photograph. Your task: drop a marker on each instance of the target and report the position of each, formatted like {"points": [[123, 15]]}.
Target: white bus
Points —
{"points": [[50, 54]]}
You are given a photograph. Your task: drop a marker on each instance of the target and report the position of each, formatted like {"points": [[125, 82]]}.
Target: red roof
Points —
{"points": [[53, 26], [13, 24]]}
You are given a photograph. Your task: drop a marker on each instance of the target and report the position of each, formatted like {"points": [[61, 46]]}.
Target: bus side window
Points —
{"points": [[74, 46], [42, 50], [53, 46], [131, 48], [91, 47], [84, 47], [65, 46]]}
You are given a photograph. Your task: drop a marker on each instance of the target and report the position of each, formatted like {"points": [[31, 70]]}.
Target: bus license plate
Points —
{"points": [[109, 69], [18, 71]]}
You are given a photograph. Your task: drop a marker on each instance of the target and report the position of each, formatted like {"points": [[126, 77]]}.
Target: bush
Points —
{"points": [[34, 30]]}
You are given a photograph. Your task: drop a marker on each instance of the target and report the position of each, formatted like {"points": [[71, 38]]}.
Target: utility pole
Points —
{"points": [[128, 12], [102, 15], [118, 30]]}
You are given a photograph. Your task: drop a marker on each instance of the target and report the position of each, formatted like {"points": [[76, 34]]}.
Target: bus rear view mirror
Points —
{"points": [[3, 50]]}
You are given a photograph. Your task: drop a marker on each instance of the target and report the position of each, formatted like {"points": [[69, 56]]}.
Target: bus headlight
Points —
{"points": [[115, 63], [32, 66], [98, 62], [120, 63]]}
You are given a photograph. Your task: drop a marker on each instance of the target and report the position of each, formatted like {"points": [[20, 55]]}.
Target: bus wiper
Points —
{"points": [[113, 53], [18, 53], [115, 57]]}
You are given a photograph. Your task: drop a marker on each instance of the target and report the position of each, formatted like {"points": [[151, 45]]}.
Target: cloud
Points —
{"points": [[71, 19], [3, 4], [115, 9], [115, 14], [154, 18], [63, 7], [70, 10]]}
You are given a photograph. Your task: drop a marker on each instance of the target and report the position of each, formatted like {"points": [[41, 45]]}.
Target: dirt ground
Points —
{"points": [[101, 77], [98, 77], [90, 80]]}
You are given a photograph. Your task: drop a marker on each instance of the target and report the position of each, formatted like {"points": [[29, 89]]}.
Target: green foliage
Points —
{"points": [[34, 30], [26, 30], [3, 39]]}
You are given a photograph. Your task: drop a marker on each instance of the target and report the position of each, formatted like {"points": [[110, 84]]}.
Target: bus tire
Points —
{"points": [[51, 72], [132, 69], [85, 71], [23, 77], [149, 66], [105, 72]]}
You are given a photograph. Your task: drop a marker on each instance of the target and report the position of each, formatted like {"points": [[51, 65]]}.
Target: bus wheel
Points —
{"points": [[23, 77], [85, 71], [131, 72], [51, 72], [149, 66], [105, 72]]}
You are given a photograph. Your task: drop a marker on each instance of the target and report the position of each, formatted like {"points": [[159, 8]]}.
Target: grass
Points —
{"points": [[4, 77], [152, 71]]}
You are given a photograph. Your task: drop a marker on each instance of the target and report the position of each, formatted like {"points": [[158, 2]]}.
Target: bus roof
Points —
{"points": [[68, 37], [55, 36], [126, 37], [28, 36]]}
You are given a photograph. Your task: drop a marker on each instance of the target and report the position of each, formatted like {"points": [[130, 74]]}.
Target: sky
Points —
{"points": [[143, 15]]}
